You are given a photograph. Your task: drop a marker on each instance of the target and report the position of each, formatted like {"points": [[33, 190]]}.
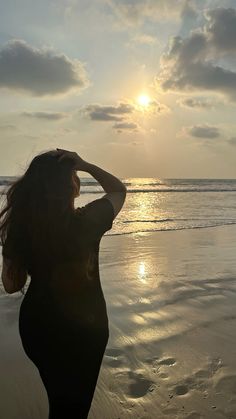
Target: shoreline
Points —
{"points": [[169, 229]]}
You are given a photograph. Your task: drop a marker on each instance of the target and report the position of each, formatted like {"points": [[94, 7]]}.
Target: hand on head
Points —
{"points": [[79, 163]]}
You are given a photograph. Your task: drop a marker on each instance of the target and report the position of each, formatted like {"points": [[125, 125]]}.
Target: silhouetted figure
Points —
{"points": [[63, 320]]}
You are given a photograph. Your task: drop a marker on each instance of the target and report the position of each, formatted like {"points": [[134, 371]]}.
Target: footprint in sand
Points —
{"points": [[158, 362], [163, 375], [181, 389], [161, 361], [167, 361], [139, 385], [133, 384], [186, 385], [199, 379]]}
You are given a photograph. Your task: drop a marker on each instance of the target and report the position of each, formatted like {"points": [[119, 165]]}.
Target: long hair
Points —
{"points": [[37, 215]]}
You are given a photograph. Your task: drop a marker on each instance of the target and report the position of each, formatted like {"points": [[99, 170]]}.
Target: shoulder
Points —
{"points": [[97, 216], [101, 205]]}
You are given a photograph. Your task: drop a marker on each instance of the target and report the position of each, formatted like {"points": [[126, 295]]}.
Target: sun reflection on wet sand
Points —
{"points": [[142, 272]]}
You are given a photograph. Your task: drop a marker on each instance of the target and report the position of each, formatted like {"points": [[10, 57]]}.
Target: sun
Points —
{"points": [[144, 100]]}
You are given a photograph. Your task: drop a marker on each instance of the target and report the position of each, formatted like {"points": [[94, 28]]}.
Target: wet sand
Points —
{"points": [[172, 313]]}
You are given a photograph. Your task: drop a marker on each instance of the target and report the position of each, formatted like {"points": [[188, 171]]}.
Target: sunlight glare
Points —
{"points": [[144, 100]]}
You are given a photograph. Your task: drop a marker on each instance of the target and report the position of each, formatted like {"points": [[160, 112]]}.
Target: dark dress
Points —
{"points": [[63, 320]]}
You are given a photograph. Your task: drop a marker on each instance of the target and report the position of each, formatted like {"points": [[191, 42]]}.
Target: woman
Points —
{"points": [[63, 320]]}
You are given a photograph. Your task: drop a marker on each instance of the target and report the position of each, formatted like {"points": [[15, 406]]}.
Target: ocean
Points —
{"points": [[154, 204]]}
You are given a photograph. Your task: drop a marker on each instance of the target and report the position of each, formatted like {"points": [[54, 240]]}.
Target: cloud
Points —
{"points": [[203, 131], [195, 102], [108, 113], [222, 28], [192, 63], [50, 116], [124, 114], [103, 116], [39, 72], [116, 113], [125, 125], [135, 12]]}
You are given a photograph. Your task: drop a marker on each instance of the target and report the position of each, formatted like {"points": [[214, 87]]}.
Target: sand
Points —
{"points": [[171, 351]]}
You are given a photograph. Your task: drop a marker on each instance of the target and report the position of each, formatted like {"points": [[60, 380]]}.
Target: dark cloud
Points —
{"points": [[102, 116], [203, 76], [50, 116], [125, 125], [108, 113], [39, 71], [191, 63], [222, 28], [184, 51], [123, 114], [194, 102], [120, 114], [204, 131]]}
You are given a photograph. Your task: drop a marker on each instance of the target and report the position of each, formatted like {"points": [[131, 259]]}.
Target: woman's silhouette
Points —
{"points": [[63, 320]]}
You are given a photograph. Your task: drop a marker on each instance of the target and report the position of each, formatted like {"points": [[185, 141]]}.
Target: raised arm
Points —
{"points": [[114, 188]]}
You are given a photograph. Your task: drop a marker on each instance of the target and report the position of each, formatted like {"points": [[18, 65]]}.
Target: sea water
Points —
{"points": [[154, 204]]}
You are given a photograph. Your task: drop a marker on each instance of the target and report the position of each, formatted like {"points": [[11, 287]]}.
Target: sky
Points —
{"points": [[141, 88]]}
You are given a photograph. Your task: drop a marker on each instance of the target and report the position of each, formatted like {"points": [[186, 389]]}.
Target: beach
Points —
{"points": [[171, 351]]}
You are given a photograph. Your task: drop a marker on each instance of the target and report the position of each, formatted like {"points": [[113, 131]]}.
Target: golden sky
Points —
{"points": [[139, 87]]}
